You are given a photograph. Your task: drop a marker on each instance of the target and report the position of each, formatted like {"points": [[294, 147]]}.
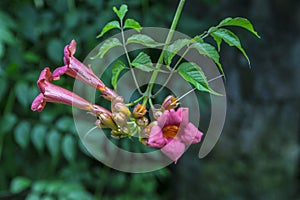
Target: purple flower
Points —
{"points": [[76, 69], [173, 133]]}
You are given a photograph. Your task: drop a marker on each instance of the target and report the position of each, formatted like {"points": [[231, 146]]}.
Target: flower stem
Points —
{"points": [[160, 60], [129, 62], [135, 101], [202, 36]]}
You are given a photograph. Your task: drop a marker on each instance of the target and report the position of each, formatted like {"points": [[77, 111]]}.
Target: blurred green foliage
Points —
{"points": [[41, 156]]}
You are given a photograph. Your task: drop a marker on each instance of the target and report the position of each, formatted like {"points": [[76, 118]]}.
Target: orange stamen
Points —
{"points": [[170, 131]]}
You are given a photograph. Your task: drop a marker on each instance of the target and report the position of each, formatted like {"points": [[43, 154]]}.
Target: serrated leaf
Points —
{"points": [[109, 26], [144, 40], [53, 143], [240, 22], [68, 148], [192, 73], [174, 48], [38, 137], [143, 62], [131, 23], [106, 46], [209, 51], [231, 39], [19, 184], [121, 12], [22, 134], [117, 68]]}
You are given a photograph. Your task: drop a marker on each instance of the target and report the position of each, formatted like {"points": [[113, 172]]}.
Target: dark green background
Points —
{"points": [[257, 156]]}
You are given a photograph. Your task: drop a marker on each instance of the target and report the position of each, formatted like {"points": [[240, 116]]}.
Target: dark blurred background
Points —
{"points": [[257, 156]]}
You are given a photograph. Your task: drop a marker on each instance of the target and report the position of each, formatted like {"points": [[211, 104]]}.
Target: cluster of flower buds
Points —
{"points": [[171, 130]]}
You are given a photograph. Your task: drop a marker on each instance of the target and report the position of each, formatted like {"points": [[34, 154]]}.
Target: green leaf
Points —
{"points": [[192, 73], [143, 40], [117, 68], [209, 51], [106, 46], [109, 26], [19, 184], [22, 134], [22, 92], [240, 22], [218, 40], [121, 12], [68, 148], [54, 49], [1, 49], [143, 62], [33, 196], [231, 39], [38, 137], [53, 142], [7, 122], [131, 23], [174, 48], [6, 36], [65, 123]]}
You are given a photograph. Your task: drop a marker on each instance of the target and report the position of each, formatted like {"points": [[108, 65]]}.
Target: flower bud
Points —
{"points": [[121, 107], [119, 118], [169, 103], [143, 121], [118, 105], [139, 111], [156, 113], [107, 121], [146, 131], [117, 134]]}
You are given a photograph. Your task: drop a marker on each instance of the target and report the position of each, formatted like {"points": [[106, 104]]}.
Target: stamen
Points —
{"points": [[170, 131]]}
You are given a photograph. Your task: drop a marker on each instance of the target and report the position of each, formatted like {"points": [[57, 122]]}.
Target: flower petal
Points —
{"points": [[162, 120], [189, 134], [59, 71], [156, 138], [46, 75], [69, 51], [175, 117], [38, 103], [174, 149]]}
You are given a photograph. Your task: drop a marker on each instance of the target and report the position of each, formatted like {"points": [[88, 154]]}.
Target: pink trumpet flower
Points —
{"points": [[173, 133], [56, 94], [76, 69]]}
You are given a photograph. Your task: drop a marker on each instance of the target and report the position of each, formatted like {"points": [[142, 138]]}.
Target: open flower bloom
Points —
{"points": [[76, 69], [173, 133]]}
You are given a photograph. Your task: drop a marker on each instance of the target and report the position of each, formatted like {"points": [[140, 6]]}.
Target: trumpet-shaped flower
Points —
{"points": [[173, 133], [76, 69], [56, 94]]}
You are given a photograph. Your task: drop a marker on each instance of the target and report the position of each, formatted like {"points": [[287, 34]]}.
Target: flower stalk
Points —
{"points": [[148, 92]]}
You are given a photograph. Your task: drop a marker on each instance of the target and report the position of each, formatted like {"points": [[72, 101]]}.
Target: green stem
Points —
{"points": [[128, 60], [160, 60], [171, 73], [135, 102], [202, 36]]}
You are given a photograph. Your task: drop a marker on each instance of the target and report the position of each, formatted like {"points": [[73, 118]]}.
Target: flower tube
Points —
{"points": [[76, 69]]}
